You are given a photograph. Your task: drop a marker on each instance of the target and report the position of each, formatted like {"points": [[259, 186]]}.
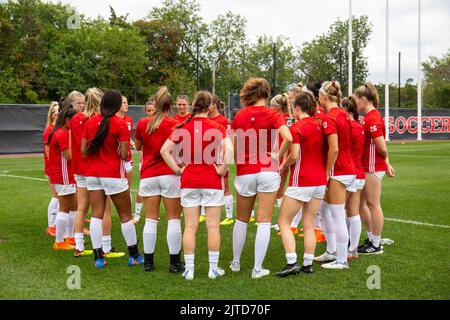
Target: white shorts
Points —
{"points": [[305, 194], [347, 180], [358, 185], [81, 181], [202, 197], [111, 186], [128, 166], [65, 189], [167, 186], [379, 174], [250, 184]]}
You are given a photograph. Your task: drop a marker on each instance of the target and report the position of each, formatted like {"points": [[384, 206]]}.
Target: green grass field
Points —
{"points": [[417, 266]]}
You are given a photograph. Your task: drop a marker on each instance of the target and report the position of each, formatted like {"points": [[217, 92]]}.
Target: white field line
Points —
{"points": [[387, 219], [417, 156]]}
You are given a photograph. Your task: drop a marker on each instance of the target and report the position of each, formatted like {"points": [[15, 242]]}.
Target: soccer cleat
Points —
{"points": [[135, 261], [149, 267], [148, 262], [352, 255], [215, 273], [201, 219], [70, 241], [227, 221], [63, 246], [364, 243], [100, 263], [235, 266], [290, 269], [252, 219], [113, 254], [83, 253], [188, 274], [86, 232], [307, 269], [335, 265], [260, 274], [51, 231], [326, 257], [177, 268], [369, 248], [276, 227]]}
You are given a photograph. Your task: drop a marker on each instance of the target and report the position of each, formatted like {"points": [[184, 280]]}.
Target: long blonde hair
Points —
{"points": [[51, 111], [163, 104], [368, 91], [93, 100], [282, 101]]}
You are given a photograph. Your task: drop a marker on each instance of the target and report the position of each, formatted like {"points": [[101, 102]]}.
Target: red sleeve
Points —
{"points": [[296, 135], [63, 140], [46, 134], [138, 133], [375, 128], [278, 120], [124, 134], [329, 126]]}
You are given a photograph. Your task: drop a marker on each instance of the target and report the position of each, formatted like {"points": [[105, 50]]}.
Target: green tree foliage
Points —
{"points": [[437, 81]]}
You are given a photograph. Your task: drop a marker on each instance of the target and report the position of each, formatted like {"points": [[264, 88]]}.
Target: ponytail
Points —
{"points": [[202, 101], [369, 92], [349, 104], [163, 104], [67, 112]]}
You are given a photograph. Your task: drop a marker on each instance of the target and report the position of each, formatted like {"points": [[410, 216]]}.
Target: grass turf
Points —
{"points": [[417, 266]]}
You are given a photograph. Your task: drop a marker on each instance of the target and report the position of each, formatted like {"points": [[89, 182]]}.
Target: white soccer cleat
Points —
{"points": [[215, 273], [188, 274], [276, 227], [235, 266], [335, 265], [325, 257], [260, 274]]}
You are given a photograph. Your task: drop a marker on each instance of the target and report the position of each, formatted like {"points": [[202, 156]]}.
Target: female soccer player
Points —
{"points": [[158, 182], [182, 103], [376, 165], [61, 175], [215, 113], [341, 172], [76, 99], [307, 183], [202, 141], [122, 114], [353, 201], [52, 210], [255, 129], [105, 145]]}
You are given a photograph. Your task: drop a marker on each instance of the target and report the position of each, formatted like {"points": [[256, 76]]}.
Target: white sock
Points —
{"points": [[279, 201], [213, 259], [174, 236], [318, 223], [79, 241], [369, 235], [261, 244], [70, 229], [52, 210], [296, 220], [138, 207], [229, 204], [354, 231], [61, 223], [347, 221], [308, 259], [291, 258], [202, 211], [106, 244], [338, 213], [253, 213], [239, 235], [129, 233], [376, 240], [189, 260], [95, 229], [328, 226], [149, 236]]}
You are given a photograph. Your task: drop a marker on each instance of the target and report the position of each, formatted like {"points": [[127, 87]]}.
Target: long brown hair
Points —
{"points": [[163, 104], [254, 89], [349, 104], [369, 91], [333, 90], [201, 103], [306, 102]]}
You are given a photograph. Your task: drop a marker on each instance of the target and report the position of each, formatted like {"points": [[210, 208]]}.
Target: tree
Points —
{"points": [[437, 81]]}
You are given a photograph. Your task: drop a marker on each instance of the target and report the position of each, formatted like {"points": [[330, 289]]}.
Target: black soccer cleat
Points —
{"points": [[369, 248], [177, 268], [149, 267], [290, 269], [364, 243], [307, 269], [148, 262]]}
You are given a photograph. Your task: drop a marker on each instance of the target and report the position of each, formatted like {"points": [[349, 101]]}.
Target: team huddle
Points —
{"points": [[305, 151]]}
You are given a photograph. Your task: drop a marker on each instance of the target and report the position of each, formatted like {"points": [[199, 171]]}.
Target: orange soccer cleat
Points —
{"points": [[51, 231], [63, 246], [70, 241], [320, 236]]}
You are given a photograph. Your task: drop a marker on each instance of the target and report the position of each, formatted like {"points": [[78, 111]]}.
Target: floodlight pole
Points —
{"points": [[419, 77], [350, 51], [386, 85]]}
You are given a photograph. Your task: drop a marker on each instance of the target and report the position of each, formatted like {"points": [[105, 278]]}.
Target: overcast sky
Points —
{"points": [[302, 20]]}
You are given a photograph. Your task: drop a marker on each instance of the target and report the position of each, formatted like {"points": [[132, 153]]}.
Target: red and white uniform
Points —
{"points": [[77, 125], [129, 162], [373, 128], [200, 183], [46, 159], [256, 174], [181, 118], [358, 138], [308, 177], [156, 177]]}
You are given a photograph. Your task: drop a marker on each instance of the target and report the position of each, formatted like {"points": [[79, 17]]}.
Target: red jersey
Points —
{"points": [[200, 172], [77, 125], [106, 161], [61, 171], [181, 118], [280, 138], [308, 170], [46, 159], [222, 120], [129, 122], [252, 124], [358, 138], [153, 164], [320, 114], [373, 128], [338, 122]]}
